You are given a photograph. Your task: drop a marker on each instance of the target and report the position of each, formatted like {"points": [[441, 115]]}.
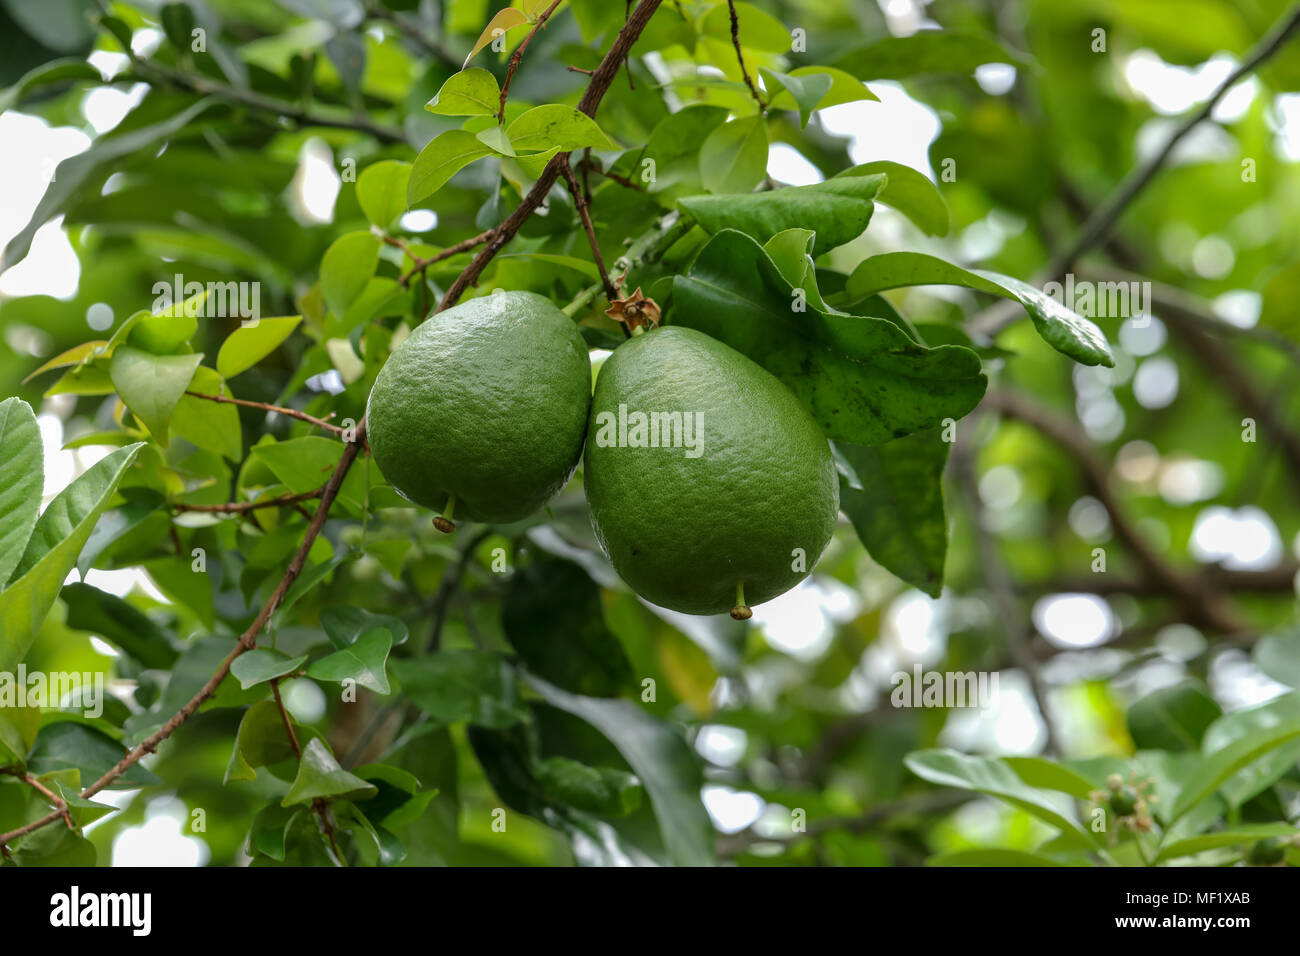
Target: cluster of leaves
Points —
{"points": [[511, 666]]}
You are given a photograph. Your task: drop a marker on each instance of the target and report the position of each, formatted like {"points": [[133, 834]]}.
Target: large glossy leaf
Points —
{"points": [[1217, 768], [1172, 718], [995, 778], [471, 92], [552, 616], [110, 617], [862, 378], [362, 661], [554, 125], [67, 745], [733, 159], [837, 210], [1253, 721], [452, 686], [346, 269], [22, 478], [662, 760], [1235, 836], [806, 91], [1062, 329], [893, 494], [910, 192], [52, 551]]}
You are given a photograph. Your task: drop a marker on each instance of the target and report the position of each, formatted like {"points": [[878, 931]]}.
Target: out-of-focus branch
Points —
{"points": [[1206, 607]]}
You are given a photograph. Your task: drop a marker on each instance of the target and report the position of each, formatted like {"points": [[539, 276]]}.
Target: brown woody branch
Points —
{"points": [[243, 507], [596, 89], [584, 213], [246, 643], [463, 246], [1205, 607], [60, 805]]}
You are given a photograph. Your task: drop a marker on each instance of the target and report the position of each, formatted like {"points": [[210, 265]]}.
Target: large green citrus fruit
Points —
{"points": [[727, 481], [486, 401]]}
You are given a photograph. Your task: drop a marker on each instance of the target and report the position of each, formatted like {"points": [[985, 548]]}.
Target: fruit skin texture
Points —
{"points": [[487, 400], [683, 531]]}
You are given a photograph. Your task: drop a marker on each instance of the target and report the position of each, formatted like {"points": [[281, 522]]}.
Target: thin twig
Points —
{"points": [[463, 246], [278, 409], [740, 56], [60, 805], [585, 215], [518, 55], [243, 507], [587, 165]]}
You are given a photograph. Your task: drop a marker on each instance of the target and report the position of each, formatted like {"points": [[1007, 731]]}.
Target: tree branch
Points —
{"points": [[1206, 607], [740, 56], [60, 805], [518, 55], [278, 409], [246, 643], [585, 215], [463, 246], [596, 89], [243, 507]]}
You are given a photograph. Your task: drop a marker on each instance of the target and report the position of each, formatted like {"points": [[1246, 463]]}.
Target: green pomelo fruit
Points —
{"points": [[487, 401], [684, 526]]}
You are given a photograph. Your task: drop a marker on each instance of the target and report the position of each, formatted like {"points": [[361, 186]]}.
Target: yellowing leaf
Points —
{"points": [[506, 19]]}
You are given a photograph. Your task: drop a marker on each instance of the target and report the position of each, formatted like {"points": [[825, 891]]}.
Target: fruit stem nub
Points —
{"points": [[443, 522], [741, 611]]}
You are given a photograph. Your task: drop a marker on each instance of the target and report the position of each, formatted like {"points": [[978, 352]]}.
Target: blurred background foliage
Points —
{"points": [[791, 711]]}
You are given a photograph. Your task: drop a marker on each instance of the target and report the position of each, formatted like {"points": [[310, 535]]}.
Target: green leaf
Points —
{"points": [[47, 74], [503, 21], [910, 192], [346, 268], [605, 791], [733, 159], [302, 464], [552, 616], [105, 152], [261, 664], [22, 480], [248, 345], [345, 625], [260, 741], [926, 51], [67, 745], [362, 662], [151, 385], [893, 494], [444, 156], [212, 426], [452, 686], [947, 768], [1172, 718], [1255, 721], [807, 91], [56, 540], [381, 191], [863, 379], [662, 761], [992, 856], [1236, 836], [1218, 767], [1277, 655], [844, 88], [497, 140], [468, 93], [555, 125], [110, 617], [1059, 327], [1050, 775], [837, 210], [674, 149], [320, 776]]}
